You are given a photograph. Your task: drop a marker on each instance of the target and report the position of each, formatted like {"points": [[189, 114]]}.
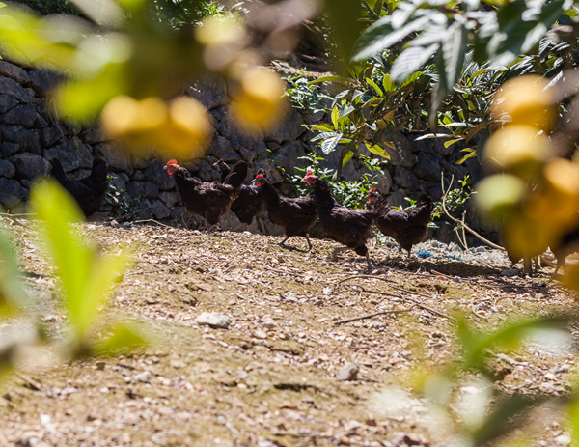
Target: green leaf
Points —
{"points": [[335, 116], [377, 89], [332, 79], [381, 35], [451, 142], [329, 144], [387, 84], [411, 60], [324, 127], [466, 157], [86, 279]]}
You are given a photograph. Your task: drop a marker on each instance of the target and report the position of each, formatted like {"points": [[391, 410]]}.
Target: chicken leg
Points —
{"points": [[309, 243]]}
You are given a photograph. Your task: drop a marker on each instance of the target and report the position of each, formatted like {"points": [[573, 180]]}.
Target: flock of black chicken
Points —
{"points": [[297, 216]]}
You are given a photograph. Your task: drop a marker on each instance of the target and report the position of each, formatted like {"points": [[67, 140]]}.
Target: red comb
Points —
{"points": [[373, 190], [172, 162], [259, 176], [309, 173]]}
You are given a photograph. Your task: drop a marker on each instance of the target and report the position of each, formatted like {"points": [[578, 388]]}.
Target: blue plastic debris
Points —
{"points": [[424, 254], [453, 257]]}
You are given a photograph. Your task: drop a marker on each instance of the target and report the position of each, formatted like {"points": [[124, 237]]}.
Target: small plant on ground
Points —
{"points": [[122, 206], [304, 95]]}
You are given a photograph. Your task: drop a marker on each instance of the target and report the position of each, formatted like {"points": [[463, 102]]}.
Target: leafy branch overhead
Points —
{"points": [[441, 34]]}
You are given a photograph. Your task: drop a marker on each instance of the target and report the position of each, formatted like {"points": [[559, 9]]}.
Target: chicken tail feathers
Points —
{"points": [[99, 169], [425, 200], [58, 171], [237, 175]]}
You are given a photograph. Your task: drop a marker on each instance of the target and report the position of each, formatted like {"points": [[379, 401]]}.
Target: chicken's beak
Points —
{"points": [[165, 167]]}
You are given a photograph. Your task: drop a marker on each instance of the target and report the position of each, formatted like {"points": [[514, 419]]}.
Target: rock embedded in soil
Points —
{"points": [[214, 319], [348, 372]]}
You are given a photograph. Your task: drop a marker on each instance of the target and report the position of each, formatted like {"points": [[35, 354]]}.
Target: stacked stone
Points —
{"points": [[30, 135]]}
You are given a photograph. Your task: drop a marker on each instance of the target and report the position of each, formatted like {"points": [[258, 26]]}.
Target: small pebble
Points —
{"points": [[348, 372]]}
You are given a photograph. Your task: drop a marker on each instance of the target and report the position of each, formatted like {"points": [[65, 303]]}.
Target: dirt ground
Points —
{"points": [[271, 377]]}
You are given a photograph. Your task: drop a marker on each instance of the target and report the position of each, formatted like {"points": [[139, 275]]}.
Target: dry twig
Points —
{"points": [[368, 316], [459, 222]]}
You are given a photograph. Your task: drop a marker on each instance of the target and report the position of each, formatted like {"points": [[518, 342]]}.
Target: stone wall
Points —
{"points": [[30, 136]]}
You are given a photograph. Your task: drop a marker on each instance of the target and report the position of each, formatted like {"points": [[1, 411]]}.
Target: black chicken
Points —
{"points": [[408, 227], [350, 227], [295, 215], [249, 201], [210, 200], [567, 245], [89, 192]]}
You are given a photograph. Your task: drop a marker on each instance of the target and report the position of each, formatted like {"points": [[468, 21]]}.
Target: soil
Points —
{"points": [[270, 378]]}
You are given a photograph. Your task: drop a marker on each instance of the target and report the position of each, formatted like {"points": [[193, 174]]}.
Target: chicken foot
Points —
{"points": [[283, 244], [334, 257]]}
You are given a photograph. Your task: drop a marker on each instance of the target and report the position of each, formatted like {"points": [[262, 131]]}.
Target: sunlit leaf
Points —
{"points": [[329, 144], [411, 60], [377, 89], [451, 142], [335, 116], [332, 79]]}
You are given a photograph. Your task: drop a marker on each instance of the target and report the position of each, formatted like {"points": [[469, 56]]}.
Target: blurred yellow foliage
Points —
{"points": [[519, 150], [524, 101], [260, 101], [180, 126]]}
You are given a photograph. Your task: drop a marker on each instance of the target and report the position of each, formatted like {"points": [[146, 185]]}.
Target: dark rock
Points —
{"points": [[250, 138], [11, 193], [138, 176], [159, 210], [11, 87], [6, 169], [451, 169], [27, 139], [8, 149], [206, 172], [288, 129], [143, 190], [73, 154], [396, 198], [403, 155], [217, 113], [288, 157], [49, 136], [42, 81], [439, 148], [30, 166], [12, 71], [246, 154], [272, 146], [116, 157], [138, 163], [6, 103], [155, 173], [221, 148], [169, 198], [21, 115], [119, 181], [92, 135], [210, 90], [427, 168], [405, 178]]}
